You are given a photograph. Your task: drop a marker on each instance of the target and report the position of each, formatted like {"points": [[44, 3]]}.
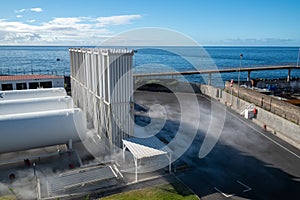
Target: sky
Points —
{"points": [[208, 22]]}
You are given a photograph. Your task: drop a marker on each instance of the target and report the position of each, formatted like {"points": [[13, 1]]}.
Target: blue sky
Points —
{"points": [[209, 22]]}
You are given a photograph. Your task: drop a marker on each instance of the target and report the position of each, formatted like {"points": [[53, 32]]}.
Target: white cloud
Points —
{"points": [[29, 9], [15, 27], [20, 11], [65, 20], [117, 20], [19, 16], [36, 9], [22, 36], [61, 30], [31, 21]]}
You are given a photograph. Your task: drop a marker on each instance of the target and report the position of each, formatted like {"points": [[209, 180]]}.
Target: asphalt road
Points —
{"points": [[245, 163]]}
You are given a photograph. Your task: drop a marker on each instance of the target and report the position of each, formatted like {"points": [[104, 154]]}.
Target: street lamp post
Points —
{"points": [[239, 74], [31, 68], [298, 57], [241, 57]]}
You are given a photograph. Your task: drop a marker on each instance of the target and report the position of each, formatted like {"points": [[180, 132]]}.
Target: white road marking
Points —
{"points": [[258, 131], [225, 195], [246, 186]]}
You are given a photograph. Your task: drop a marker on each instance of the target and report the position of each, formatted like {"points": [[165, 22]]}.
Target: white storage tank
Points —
{"points": [[35, 105], [41, 129], [32, 93]]}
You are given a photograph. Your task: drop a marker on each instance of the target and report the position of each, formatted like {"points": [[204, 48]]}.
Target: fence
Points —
{"points": [[23, 71]]}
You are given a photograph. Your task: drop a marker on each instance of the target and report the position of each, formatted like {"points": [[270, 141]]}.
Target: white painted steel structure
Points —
{"points": [[40, 129], [35, 105], [102, 85], [146, 147], [39, 118], [32, 93]]}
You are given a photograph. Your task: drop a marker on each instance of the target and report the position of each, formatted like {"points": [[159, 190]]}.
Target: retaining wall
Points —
{"points": [[280, 126], [269, 103]]}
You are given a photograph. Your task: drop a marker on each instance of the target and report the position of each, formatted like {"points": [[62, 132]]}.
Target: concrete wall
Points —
{"points": [[165, 85], [278, 107], [283, 128], [286, 130]]}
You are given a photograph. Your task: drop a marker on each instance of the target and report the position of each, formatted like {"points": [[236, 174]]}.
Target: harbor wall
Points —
{"points": [[284, 124], [269, 103]]}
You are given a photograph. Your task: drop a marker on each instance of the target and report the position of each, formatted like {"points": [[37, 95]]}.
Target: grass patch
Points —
{"points": [[174, 191], [8, 197]]}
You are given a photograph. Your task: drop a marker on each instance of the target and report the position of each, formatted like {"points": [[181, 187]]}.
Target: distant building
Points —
{"points": [[102, 86], [23, 82]]}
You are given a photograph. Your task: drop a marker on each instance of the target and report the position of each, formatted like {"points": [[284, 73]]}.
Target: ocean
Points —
{"points": [[55, 60]]}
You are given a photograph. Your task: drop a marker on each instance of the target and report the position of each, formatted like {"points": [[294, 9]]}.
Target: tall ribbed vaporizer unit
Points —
{"points": [[102, 86]]}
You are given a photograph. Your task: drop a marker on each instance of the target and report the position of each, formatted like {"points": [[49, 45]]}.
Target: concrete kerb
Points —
{"points": [[186, 186]]}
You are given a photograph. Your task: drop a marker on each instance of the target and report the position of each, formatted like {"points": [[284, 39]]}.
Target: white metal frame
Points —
{"points": [[140, 149], [95, 74]]}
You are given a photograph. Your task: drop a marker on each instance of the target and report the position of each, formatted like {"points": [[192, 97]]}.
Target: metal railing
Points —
{"points": [[23, 71]]}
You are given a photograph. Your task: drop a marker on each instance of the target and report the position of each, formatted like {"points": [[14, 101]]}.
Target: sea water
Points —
{"points": [[55, 60]]}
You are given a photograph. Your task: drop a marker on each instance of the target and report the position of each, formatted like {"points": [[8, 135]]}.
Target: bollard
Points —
{"points": [[71, 166], [12, 177], [265, 127]]}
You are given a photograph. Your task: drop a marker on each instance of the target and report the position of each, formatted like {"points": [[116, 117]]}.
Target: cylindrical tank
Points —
{"points": [[41, 129], [35, 105], [32, 93]]}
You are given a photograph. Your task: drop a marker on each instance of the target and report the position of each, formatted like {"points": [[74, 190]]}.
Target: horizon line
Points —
{"points": [[76, 45]]}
